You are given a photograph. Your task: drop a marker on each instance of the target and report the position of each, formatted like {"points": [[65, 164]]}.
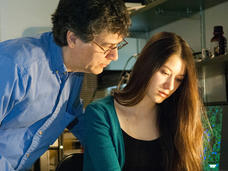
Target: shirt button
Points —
{"points": [[27, 155], [40, 132], [57, 71]]}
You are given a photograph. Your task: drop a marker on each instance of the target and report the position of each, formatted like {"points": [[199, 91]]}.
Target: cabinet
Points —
{"points": [[161, 12], [213, 79]]}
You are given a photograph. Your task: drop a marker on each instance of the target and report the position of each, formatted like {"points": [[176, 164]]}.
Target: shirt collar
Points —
{"points": [[56, 56]]}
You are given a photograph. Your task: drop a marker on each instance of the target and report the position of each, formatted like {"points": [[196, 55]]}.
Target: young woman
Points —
{"points": [[154, 122]]}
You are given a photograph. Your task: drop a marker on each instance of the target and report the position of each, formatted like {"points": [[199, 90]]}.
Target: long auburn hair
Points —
{"points": [[180, 115]]}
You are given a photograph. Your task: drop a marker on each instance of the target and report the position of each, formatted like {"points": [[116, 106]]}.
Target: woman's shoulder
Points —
{"points": [[104, 105], [101, 111], [106, 102]]}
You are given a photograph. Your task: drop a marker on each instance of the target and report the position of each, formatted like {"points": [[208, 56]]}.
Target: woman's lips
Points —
{"points": [[163, 94]]}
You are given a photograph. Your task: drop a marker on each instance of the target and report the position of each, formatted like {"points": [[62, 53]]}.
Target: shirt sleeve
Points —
{"points": [[98, 141], [75, 106], [11, 91], [5, 165], [12, 87], [77, 126]]}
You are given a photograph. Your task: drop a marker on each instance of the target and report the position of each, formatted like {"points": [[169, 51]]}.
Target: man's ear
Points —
{"points": [[71, 39]]}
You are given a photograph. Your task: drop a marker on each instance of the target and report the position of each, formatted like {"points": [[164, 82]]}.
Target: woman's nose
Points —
{"points": [[169, 84]]}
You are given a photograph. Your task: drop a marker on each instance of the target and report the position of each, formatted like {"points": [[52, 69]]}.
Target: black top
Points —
{"points": [[141, 155]]}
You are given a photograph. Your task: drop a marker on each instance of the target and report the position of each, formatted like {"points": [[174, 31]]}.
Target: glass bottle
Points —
{"points": [[218, 42]]}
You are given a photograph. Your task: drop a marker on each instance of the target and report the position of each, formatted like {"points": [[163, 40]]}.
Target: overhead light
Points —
{"points": [[144, 5], [133, 6]]}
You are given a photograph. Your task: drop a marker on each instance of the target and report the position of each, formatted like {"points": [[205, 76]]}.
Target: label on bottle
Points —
{"points": [[222, 46], [214, 48]]}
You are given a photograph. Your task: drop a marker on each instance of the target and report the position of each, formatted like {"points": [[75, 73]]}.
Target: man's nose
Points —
{"points": [[113, 55]]}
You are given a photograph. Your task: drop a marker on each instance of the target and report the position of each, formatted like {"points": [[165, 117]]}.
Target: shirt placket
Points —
{"points": [[63, 77]]}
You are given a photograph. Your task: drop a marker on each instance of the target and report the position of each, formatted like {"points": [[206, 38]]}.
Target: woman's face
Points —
{"points": [[167, 79]]}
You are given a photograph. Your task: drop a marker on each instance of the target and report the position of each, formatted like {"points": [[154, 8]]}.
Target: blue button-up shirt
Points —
{"points": [[38, 99]]}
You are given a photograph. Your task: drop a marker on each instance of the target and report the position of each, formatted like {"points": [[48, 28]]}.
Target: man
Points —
{"points": [[41, 76]]}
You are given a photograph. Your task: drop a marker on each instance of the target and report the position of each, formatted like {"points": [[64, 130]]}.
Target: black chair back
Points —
{"points": [[72, 162]]}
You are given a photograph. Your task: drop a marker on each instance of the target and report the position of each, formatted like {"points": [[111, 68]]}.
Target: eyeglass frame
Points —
{"points": [[111, 48]]}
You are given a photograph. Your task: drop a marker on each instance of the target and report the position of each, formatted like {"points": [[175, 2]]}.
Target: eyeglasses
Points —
{"points": [[118, 46]]}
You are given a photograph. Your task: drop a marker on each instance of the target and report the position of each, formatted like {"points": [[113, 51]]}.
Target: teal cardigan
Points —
{"points": [[103, 143]]}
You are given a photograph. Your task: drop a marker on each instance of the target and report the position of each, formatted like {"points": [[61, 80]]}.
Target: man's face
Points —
{"points": [[94, 56]]}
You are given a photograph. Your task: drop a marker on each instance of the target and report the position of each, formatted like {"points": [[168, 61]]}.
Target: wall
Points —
{"points": [[25, 17], [132, 49]]}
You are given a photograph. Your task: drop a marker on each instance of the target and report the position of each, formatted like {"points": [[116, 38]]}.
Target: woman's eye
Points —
{"points": [[179, 80], [165, 73]]}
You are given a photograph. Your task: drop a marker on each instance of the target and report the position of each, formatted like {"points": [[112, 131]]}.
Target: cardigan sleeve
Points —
{"points": [[99, 147]]}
